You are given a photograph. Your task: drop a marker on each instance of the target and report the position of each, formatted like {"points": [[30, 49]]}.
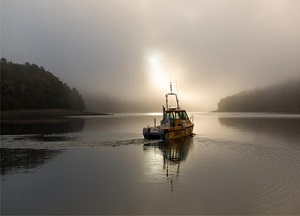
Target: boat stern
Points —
{"points": [[153, 133]]}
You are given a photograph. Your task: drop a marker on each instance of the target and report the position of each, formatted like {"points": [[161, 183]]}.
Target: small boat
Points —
{"points": [[175, 123]]}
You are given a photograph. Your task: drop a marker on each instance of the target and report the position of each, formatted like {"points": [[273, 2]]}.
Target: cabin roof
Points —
{"points": [[175, 110]]}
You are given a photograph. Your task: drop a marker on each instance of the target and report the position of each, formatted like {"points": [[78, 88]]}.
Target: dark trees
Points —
{"points": [[276, 98], [29, 86]]}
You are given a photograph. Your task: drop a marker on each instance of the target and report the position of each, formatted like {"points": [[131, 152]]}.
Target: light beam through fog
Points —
{"points": [[158, 75], [122, 54]]}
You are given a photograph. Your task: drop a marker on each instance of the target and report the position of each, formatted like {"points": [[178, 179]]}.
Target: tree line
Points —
{"points": [[284, 97], [28, 86]]}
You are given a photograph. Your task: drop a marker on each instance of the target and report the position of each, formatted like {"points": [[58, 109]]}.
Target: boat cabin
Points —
{"points": [[174, 118], [175, 122]]}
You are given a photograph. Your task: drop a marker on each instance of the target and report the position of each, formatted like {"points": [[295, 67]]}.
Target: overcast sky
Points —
{"points": [[129, 50]]}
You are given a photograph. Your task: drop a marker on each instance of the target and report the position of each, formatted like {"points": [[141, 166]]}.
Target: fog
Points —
{"points": [[122, 54]]}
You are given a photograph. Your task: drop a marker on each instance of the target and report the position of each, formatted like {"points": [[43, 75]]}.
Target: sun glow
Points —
{"points": [[159, 75]]}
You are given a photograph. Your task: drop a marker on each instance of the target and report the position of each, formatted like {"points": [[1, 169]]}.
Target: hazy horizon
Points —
{"points": [[125, 53]]}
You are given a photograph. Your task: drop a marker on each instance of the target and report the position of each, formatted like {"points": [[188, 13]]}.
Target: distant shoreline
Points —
{"points": [[271, 112], [44, 113]]}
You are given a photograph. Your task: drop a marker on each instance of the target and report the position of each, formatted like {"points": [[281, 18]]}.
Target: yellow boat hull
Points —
{"points": [[174, 133]]}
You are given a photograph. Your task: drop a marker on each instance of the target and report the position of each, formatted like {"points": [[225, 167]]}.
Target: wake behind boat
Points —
{"points": [[175, 123]]}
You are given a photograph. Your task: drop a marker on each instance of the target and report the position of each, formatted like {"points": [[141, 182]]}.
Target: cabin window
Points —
{"points": [[169, 115], [184, 115], [177, 115]]}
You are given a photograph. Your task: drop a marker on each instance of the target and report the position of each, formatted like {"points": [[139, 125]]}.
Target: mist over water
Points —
{"points": [[114, 52], [121, 57], [237, 163]]}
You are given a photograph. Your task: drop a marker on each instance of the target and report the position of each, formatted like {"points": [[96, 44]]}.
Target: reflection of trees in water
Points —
{"points": [[284, 127], [47, 126], [174, 152], [15, 160]]}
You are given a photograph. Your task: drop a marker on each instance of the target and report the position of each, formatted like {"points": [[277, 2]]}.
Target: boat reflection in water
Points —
{"points": [[174, 153]]}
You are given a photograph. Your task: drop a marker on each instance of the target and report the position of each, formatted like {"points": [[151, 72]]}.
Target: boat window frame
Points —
{"points": [[169, 115], [177, 115], [184, 115]]}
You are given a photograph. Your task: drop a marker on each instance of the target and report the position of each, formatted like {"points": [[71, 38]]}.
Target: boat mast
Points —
{"points": [[167, 104]]}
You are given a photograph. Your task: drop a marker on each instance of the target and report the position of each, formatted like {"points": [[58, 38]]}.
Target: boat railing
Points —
{"points": [[192, 118], [167, 101]]}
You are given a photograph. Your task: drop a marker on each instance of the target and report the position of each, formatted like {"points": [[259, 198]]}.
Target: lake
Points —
{"points": [[237, 163]]}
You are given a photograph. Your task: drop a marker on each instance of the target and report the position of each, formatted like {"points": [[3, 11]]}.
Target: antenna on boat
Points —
{"points": [[171, 86]]}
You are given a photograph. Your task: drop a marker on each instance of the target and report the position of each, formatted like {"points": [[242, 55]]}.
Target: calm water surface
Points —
{"points": [[235, 164]]}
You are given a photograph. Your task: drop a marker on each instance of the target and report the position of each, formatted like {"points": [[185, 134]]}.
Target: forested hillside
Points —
{"points": [[28, 86], [283, 97]]}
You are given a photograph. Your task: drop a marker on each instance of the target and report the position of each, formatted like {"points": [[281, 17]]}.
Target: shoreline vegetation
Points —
{"points": [[30, 87], [270, 112], [29, 92], [44, 114], [277, 98]]}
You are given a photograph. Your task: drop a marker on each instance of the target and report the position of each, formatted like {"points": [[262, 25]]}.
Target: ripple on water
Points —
{"points": [[268, 174], [66, 141]]}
